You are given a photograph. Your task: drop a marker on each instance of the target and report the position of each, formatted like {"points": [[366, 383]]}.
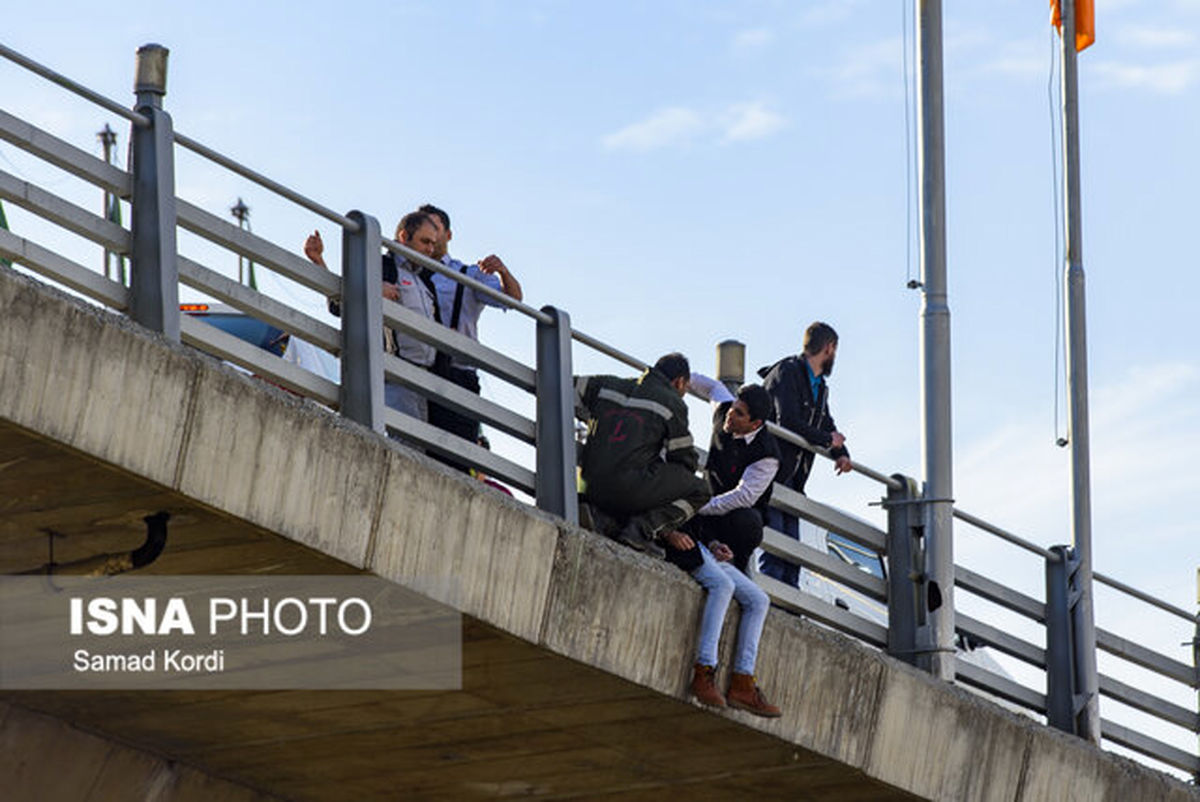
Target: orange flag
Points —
{"points": [[1085, 21]]}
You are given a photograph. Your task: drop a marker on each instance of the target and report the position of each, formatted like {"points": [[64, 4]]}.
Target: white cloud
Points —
{"points": [[871, 69], [753, 39], [679, 126], [675, 125], [1166, 79], [746, 121], [1156, 38]]}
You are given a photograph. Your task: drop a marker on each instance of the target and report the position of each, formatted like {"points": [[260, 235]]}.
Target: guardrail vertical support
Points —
{"points": [[154, 286], [1066, 697], [362, 323], [906, 573], [556, 490]]}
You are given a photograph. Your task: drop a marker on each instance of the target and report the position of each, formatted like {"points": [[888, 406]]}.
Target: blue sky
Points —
{"points": [[678, 173]]}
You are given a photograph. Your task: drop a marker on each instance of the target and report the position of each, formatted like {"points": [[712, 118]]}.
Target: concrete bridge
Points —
{"points": [[576, 652]]}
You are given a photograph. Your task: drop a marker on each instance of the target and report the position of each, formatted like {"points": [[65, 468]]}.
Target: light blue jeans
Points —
{"points": [[402, 399], [724, 582]]}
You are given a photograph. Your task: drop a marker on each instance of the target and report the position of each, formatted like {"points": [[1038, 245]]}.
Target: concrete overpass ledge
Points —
{"points": [[577, 651], [42, 758]]}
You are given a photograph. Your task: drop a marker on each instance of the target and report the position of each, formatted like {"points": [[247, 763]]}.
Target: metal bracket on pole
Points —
{"points": [[362, 323], [906, 574], [1067, 695], [556, 489], [154, 285]]}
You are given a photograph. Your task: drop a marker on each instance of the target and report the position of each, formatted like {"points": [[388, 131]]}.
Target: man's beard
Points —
{"points": [[828, 369]]}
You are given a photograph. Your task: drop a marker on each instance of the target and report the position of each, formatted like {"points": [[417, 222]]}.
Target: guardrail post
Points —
{"points": [[362, 323], [556, 489], [906, 572], [1064, 701], [154, 286]]}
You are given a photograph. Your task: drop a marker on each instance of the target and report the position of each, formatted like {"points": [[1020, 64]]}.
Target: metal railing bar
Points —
{"points": [[1001, 641], [781, 545], [1149, 703], [62, 154], [452, 342], [79, 89], [64, 213], [1001, 687], [995, 592], [810, 606], [1147, 598], [608, 350], [198, 334], [797, 440], [1146, 658], [1002, 534], [458, 399], [262, 180], [438, 267], [1144, 744], [828, 517], [64, 271], [262, 251], [259, 306], [428, 436]]}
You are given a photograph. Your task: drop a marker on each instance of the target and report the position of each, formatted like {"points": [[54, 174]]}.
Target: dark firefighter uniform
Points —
{"points": [[639, 460]]}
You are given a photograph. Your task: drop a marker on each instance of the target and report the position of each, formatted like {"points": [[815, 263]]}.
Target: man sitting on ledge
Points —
{"points": [[638, 462]]}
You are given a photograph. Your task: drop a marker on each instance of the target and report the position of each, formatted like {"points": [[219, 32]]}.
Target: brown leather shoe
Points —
{"points": [[704, 688], [744, 694]]}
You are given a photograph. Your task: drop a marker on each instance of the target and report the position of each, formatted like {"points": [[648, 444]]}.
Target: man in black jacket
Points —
{"points": [[638, 462], [797, 385]]}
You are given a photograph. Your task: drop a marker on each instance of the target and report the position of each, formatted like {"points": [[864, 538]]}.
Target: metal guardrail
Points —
{"points": [[895, 627]]}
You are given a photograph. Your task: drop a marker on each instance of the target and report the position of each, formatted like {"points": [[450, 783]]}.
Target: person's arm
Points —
{"points": [[314, 249], [679, 446], [755, 480], [709, 389], [494, 266]]}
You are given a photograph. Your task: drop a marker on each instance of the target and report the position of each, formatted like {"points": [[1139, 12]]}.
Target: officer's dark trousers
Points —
{"points": [[463, 426], [660, 497]]}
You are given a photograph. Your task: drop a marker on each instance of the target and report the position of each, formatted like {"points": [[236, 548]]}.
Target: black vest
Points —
{"points": [[729, 456]]}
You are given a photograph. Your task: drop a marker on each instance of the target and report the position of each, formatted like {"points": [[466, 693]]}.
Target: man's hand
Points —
{"points": [[838, 439], [391, 291], [679, 541], [314, 249], [842, 465], [720, 552], [493, 265]]}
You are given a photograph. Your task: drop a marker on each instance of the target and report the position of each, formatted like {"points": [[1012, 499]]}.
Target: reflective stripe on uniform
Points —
{"points": [[677, 443], [635, 403]]}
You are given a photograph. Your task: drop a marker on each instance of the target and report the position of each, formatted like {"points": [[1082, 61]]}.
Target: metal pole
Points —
{"points": [[556, 489], [241, 213], [938, 657], [1087, 683], [362, 323], [1060, 664], [154, 288], [108, 138]]}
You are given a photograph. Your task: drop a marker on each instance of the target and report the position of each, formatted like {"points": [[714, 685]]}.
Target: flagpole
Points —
{"points": [[1087, 708], [936, 650]]}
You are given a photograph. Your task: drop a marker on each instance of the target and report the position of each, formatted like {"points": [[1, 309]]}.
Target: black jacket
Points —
{"points": [[798, 411]]}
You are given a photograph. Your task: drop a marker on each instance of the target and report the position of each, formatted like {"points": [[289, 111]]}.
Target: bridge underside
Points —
{"points": [[527, 722], [576, 650]]}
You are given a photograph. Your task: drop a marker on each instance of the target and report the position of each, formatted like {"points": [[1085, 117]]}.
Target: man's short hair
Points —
{"points": [[817, 336], [673, 366], [411, 223], [757, 400], [430, 209]]}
